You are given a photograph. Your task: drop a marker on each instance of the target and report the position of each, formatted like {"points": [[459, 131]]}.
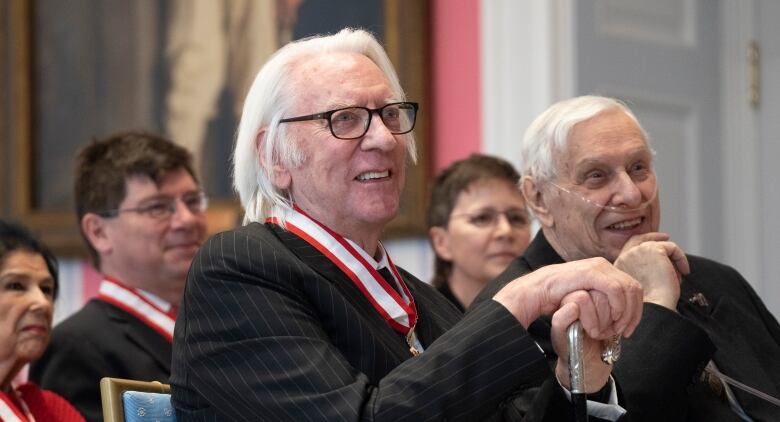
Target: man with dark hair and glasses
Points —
{"points": [[301, 315], [142, 214]]}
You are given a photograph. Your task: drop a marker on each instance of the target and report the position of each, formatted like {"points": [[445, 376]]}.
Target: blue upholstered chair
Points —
{"points": [[136, 401]]}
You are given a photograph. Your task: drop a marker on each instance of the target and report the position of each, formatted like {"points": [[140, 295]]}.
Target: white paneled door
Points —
{"points": [[662, 58], [684, 68]]}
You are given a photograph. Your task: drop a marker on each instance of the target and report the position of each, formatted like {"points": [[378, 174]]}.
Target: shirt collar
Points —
{"points": [[157, 301], [380, 250]]}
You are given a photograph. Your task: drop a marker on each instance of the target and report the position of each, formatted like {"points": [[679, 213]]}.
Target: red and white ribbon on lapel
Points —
{"points": [[129, 300], [399, 312], [9, 412]]}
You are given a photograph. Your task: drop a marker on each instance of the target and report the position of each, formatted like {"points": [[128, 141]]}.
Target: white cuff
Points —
{"points": [[610, 411]]}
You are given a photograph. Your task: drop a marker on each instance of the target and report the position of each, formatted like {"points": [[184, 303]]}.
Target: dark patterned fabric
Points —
{"points": [[444, 289], [270, 329], [719, 317]]}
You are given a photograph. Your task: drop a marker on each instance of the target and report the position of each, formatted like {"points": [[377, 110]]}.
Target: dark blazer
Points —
{"points": [[270, 329], [445, 291], [99, 341], [720, 318]]}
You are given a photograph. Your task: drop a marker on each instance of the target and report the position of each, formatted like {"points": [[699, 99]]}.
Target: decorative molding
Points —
{"points": [[672, 126], [665, 22], [4, 83], [407, 42], [563, 32], [742, 201], [527, 63]]}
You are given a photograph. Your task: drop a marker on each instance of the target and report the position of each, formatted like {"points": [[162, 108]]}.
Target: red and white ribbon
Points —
{"points": [[9, 412], [131, 301], [400, 312]]}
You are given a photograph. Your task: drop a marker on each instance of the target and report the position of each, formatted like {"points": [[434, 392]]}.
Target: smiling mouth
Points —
{"points": [[627, 224], [188, 245], [373, 175], [36, 328]]}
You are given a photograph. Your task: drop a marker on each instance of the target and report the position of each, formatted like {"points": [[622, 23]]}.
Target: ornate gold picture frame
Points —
{"points": [[406, 40]]}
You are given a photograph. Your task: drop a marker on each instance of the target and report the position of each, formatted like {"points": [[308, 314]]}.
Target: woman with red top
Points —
{"points": [[28, 286]]}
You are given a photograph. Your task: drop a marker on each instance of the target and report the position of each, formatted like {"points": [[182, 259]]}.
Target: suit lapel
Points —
{"points": [[145, 337], [431, 325], [393, 341]]}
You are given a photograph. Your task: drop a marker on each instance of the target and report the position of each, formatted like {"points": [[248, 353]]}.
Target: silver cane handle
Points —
{"points": [[576, 364], [577, 372]]}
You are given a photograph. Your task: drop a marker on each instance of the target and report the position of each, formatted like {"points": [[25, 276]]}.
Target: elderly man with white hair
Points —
{"points": [[587, 175], [301, 314]]}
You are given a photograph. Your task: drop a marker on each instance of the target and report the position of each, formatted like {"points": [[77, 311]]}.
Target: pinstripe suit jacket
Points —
{"points": [[270, 329]]}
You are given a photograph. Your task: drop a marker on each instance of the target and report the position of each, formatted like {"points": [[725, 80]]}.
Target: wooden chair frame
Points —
{"points": [[111, 390]]}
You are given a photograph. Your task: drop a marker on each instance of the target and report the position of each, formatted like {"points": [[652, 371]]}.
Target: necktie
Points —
{"points": [[385, 273]]}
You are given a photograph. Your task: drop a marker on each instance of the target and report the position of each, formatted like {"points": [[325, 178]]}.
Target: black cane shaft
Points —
{"points": [[579, 403]]}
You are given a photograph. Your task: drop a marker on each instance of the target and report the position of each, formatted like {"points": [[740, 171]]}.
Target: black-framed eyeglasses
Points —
{"points": [[353, 122], [164, 207]]}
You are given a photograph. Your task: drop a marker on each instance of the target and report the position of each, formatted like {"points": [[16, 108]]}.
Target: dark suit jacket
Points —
{"points": [[99, 341], [445, 291], [661, 364], [270, 329]]}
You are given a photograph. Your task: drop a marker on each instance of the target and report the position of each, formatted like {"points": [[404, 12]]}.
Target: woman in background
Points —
{"points": [[28, 286], [477, 223]]}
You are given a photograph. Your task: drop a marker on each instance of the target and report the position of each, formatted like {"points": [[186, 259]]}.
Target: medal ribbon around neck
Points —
{"points": [[127, 299], [9, 413], [400, 313]]}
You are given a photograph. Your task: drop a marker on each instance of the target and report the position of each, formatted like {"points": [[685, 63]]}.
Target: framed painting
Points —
{"points": [[77, 70]]}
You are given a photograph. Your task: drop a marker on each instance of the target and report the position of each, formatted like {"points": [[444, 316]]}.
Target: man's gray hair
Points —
{"points": [[270, 98], [549, 133]]}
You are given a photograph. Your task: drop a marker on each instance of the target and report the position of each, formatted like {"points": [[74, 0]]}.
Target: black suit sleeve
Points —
{"points": [[660, 362], [250, 345], [720, 318]]}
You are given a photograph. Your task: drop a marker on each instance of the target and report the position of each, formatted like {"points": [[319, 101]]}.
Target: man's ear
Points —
{"points": [[95, 230], [536, 200], [280, 175], [440, 240]]}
